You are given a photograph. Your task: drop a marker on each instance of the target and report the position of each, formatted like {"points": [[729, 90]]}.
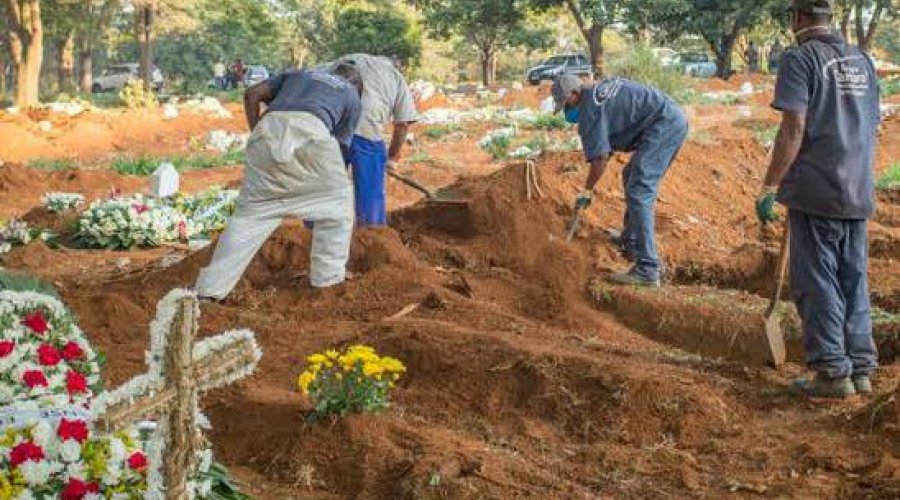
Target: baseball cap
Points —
{"points": [[813, 6], [563, 86]]}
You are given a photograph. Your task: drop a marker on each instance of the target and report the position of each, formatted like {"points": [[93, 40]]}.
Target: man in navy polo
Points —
{"points": [[821, 170], [617, 114]]}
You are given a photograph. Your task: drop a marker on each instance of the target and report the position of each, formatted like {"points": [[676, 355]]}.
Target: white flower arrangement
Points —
{"points": [[16, 232], [43, 353], [132, 222], [61, 459], [209, 210], [498, 135], [62, 202]]}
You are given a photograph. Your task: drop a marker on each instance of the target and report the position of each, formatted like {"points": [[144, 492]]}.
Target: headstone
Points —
{"points": [[548, 105], [164, 181]]}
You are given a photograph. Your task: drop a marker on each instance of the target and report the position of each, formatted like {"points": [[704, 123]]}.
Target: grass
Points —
{"points": [[52, 164], [890, 86], [23, 282], [499, 147], [766, 135], [146, 165], [641, 65], [701, 136], [889, 179], [550, 122], [441, 131]]}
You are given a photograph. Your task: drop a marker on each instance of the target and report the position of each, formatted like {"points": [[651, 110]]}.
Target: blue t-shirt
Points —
{"points": [[615, 113], [331, 98], [834, 84]]}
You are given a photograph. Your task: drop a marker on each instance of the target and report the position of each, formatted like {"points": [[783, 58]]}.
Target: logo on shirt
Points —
{"points": [[607, 89], [328, 79], [849, 75]]}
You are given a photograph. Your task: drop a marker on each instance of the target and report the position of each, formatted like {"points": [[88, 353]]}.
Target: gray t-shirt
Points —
{"points": [[331, 98], [386, 97], [835, 86], [615, 113]]}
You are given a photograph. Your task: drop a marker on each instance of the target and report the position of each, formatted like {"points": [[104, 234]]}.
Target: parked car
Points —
{"points": [[115, 77], [252, 76], [667, 57], [575, 64], [697, 64], [255, 74]]}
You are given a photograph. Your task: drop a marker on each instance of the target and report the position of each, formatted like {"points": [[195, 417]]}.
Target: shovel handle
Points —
{"points": [[411, 183]]}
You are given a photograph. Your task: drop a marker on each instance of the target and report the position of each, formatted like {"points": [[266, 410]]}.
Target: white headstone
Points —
{"points": [[170, 111], [548, 105], [747, 88], [164, 181]]}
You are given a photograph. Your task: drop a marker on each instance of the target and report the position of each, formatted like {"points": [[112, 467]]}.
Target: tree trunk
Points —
{"points": [[143, 31], [487, 64], [66, 64], [724, 50], [860, 27], [85, 64], [865, 42], [26, 43], [845, 23], [595, 44]]}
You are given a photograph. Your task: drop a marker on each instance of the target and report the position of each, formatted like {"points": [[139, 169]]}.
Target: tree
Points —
{"points": [[592, 18], [307, 27], [379, 32], [95, 16], [26, 47], [866, 15], [489, 25], [718, 22]]}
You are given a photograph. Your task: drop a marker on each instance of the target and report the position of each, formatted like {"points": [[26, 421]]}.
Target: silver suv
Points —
{"points": [[115, 77], [575, 64]]}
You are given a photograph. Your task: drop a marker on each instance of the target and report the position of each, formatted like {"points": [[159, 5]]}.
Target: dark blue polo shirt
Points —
{"points": [[331, 98], [835, 86], [615, 113]]}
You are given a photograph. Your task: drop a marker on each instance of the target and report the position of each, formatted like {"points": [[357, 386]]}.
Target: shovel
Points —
{"points": [[429, 196], [573, 224], [774, 335]]}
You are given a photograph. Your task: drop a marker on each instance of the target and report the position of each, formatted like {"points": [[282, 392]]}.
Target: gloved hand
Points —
{"points": [[584, 200], [765, 205]]}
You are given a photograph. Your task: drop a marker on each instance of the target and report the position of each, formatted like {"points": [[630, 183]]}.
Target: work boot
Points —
{"points": [[633, 278], [822, 386], [862, 384]]}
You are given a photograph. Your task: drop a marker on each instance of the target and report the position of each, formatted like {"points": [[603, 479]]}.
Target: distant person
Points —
{"points": [[386, 98], [238, 70], [822, 170], [295, 167], [775, 53], [751, 55], [219, 72], [617, 114]]}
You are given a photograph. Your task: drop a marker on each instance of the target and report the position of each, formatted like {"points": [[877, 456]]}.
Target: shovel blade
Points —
{"points": [[775, 340]]}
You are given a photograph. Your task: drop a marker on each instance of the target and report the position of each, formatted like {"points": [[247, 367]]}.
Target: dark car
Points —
{"points": [[575, 64]]}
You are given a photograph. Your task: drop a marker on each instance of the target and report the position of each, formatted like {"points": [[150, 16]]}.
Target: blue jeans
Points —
{"points": [[655, 152], [369, 161], [830, 285]]}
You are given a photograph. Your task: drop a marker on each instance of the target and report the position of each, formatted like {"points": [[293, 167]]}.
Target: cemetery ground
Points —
{"points": [[524, 378]]}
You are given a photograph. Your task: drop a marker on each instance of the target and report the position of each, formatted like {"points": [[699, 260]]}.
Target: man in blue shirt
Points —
{"points": [[821, 169], [295, 167], [618, 114]]}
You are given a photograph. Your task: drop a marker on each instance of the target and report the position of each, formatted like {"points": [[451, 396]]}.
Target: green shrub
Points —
{"points": [[639, 64], [498, 147], [146, 165], [54, 164], [889, 179], [440, 131], [890, 86], [550, 122]]}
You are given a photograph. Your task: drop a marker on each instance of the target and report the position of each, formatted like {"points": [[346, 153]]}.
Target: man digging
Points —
{"points": [[822, 171], [295, 167], [617, 114], [385, 98]]}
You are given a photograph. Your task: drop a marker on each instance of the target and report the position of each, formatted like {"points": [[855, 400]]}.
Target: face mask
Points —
{"points": [[572, 114]]}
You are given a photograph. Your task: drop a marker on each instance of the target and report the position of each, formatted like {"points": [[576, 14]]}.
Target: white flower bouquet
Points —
{"points": [[62, 202], [132, 222], [208, 210], [16, 232], [43, 353]]}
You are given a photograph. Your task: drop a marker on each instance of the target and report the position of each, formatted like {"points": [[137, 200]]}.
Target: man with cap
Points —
{"points": [[617, 114], [821, 170]]}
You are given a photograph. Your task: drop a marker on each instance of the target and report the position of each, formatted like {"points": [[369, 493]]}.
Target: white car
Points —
{"points": [[115, 77]]}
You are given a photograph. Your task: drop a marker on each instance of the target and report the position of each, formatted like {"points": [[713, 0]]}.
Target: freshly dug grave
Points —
{"points": [[518, 386]]}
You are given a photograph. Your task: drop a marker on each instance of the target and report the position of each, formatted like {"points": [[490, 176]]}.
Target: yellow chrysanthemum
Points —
{"points": [[372, 369], [392, 365], [306, 378], [317, 359], [332, 354]]}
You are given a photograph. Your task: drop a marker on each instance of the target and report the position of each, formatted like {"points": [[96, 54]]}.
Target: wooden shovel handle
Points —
{"points": [[782, 266]]}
